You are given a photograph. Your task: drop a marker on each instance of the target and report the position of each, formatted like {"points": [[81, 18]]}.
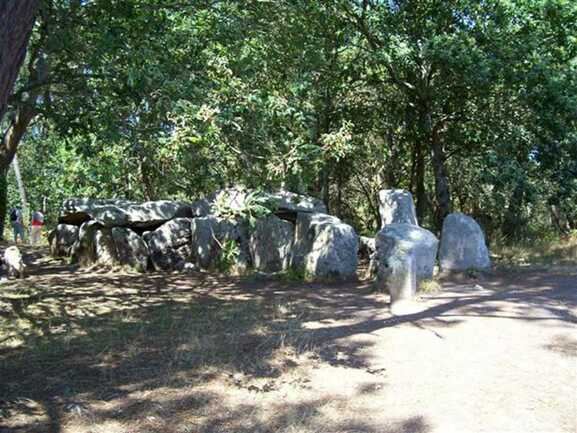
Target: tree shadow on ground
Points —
{"points": [[139, 350], [174, 347]]}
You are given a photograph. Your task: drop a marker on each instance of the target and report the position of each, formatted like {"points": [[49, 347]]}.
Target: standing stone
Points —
{"points": [[169, 244], [106, 254], [62, 239], [84, 249], [462, 244], [217, 242], [402, 284], [396, 207], [398, 245], [325, 247], [270, 244], [97, 245], [131, 249]]}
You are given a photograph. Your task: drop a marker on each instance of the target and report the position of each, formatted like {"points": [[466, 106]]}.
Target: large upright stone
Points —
{"points": [[106, 254], [270, 244], [62, 239], [84, 249], [109, 247], [131, 249], [396, 207], [325, 247], [462, 244], [401, 282], [398, 245], [170, 244], [123, 213], [218, 243]]}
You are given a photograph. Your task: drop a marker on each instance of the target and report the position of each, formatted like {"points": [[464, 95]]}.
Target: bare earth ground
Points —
{"points": [[107, 353]]}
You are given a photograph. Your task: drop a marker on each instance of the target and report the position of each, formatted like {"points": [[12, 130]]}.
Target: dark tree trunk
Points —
{"points": [[324, 181], [442, 190], [323, 124], [13, 135], [3, 200], [560, 220], [339, 197], [16, 22], [420, 192], [8, 147], [371, 199], [514, 220]]}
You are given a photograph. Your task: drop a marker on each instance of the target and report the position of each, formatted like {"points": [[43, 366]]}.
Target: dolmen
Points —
{"points": [[234, 230]]}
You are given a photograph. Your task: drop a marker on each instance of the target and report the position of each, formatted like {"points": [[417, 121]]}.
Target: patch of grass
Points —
{"points": [[537, 255], [151, 343], [429, 286], [291, 275]]}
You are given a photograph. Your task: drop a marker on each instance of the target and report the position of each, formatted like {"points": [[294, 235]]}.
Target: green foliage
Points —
{"points": [[228, 255], [254, 206], [467, 104], [291, 275]]}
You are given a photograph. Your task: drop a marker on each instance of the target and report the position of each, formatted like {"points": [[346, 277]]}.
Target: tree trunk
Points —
{"points": [[514, 219], [14, 134], [420, 192], [387, 175], [324, 181], [323, 123], [442, 190], [339, 197], [8, 147], [3, 200], [16, 22], [559, 219]]}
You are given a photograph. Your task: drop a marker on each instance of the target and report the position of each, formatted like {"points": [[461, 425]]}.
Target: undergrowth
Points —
{"points": [[538, 253]]}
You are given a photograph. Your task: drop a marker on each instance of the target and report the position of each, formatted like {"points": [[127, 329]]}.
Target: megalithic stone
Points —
{"points": [[396, 206]]}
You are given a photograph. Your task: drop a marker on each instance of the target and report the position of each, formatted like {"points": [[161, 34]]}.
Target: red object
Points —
{"points": [[37, 223]]}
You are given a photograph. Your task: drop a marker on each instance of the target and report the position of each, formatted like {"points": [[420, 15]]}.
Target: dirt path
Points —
{"points": [[90, 352]]}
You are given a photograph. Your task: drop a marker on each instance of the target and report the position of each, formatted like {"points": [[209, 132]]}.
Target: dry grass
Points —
{"points": [[538, 255], [159, 363], [430, 286]]}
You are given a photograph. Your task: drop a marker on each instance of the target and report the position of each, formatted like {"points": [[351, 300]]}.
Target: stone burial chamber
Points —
{"points": [[236, 230]]}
